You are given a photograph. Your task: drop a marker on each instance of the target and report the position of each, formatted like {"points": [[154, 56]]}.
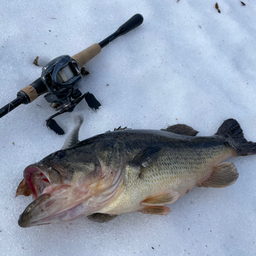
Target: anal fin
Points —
{"points": [[158, 210], [223, 175]]}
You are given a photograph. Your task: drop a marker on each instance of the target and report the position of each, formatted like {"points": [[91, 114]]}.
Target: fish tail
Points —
{"points": [[232, 132]]}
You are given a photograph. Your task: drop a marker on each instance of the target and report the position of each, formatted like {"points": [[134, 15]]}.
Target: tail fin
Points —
{"points": [[232, 131]]}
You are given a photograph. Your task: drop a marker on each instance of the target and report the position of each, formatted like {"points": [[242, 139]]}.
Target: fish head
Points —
{"points": [[67, 184]]}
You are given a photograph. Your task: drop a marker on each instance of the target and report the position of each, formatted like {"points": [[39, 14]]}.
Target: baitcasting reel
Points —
{"points": [[60, 77]]}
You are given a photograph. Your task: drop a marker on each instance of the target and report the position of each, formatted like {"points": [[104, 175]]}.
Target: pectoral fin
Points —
{"points": [[146, 156], [223, 175], [158, 210]]}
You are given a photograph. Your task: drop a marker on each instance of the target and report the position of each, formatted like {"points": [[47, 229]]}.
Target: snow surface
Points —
{"points": [[186, 63]]}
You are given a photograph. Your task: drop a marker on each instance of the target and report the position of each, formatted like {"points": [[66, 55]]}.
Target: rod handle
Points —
{"points": [[32, 91], [87, 54]]}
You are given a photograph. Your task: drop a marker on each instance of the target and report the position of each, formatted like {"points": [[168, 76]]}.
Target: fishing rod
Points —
{"points": [[60, 77]]}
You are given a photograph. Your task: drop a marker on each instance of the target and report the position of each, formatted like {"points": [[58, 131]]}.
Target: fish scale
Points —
{"points": [[177, 168], [129, 170]]}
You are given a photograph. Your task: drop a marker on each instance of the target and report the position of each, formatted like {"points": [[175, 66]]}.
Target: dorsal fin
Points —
{"points": [[181, 129], [72, 138], [119, 129]]}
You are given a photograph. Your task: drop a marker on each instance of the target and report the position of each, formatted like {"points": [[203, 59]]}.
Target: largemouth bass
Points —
{"points": [[129, 170]]}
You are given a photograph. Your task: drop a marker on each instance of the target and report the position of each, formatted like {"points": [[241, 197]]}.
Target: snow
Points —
{"points": [[186, 63]]}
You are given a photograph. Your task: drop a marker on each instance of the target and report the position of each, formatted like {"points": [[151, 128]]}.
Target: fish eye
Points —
{"points": [[60, 154]]}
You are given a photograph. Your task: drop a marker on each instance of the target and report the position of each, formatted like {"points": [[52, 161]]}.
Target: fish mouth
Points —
{"points": [[64, 201], [37, 179], [51, 200]]}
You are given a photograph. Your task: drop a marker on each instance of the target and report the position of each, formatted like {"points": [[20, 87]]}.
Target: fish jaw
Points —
{"points": [[51, 198], [61, 204], [67, 200]]}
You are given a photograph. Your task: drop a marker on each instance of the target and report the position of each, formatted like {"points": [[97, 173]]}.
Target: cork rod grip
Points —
{"points": [[86, 55], [30, 92]]}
